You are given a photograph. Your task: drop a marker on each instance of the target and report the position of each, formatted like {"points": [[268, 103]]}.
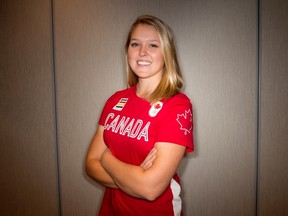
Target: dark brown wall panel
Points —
{"points": [[273, 148], [28, 183]]}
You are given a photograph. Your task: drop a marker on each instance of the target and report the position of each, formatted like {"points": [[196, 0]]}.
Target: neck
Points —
{"points": [[145, 89]]}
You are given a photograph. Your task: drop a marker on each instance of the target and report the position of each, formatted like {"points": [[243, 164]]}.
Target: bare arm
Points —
{"points": [[94, 168], [145, 183]]}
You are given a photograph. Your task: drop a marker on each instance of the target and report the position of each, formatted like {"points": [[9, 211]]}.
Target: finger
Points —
{"points": [[149, 159], [148, 165], [148, 162], [151, 154]]}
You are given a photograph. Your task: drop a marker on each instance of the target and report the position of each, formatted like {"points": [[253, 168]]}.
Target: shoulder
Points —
{"points": [[178, 104], [179, 99], [122, 94]]}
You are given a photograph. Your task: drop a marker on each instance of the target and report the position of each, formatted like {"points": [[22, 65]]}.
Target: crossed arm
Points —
{"points": [[147, 181]]}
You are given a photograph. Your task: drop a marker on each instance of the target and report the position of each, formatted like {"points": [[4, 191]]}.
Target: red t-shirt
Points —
{"points": [[132, 127]]}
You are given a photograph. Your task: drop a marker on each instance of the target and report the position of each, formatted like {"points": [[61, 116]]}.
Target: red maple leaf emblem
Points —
{"points": [[185, 121], [157, 106]]}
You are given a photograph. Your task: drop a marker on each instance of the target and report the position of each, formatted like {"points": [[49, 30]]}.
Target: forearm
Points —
{"points": [[133, 180], [95, 170]]}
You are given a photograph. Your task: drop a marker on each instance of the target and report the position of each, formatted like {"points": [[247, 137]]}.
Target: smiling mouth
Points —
{"points": [[143, 63]]}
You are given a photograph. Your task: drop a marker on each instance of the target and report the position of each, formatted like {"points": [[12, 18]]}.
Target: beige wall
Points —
{"points": [[239, 166]]}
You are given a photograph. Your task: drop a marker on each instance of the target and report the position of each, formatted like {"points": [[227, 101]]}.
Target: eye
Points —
{"points": [[134, 44], [154, 45]]}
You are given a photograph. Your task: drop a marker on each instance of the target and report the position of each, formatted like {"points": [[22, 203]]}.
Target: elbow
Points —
{"points": [[151, 193], [87, 171], [151, 197], [152, 188], [88, 168]]}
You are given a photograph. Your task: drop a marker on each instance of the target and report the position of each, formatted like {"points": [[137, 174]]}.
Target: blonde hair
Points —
{"points": [[172, 81]]}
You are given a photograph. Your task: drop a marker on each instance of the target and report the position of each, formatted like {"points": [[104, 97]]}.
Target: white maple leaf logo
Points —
{"points": [[185, 121]]}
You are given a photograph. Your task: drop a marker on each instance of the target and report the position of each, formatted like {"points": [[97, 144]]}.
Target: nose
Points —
{"points": [[142, 51]]}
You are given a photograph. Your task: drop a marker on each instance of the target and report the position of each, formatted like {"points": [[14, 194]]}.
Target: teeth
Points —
{"points": [[143, 62]]}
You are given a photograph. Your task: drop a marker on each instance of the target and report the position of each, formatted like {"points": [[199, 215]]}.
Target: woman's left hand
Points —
{"points": [[147, 163]]}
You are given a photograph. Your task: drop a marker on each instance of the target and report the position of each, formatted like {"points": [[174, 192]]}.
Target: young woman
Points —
{"points": [[145, 130]]}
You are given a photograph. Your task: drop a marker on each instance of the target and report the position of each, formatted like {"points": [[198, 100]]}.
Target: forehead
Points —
{"points": [[145, 32]]}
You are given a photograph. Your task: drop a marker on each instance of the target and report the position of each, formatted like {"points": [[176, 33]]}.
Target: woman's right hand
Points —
{"points": [[147, 163]]}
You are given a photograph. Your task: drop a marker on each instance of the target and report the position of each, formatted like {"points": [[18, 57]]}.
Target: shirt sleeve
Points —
{"points": [[176, 123]]}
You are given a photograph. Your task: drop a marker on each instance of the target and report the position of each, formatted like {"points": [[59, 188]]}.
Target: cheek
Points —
{"points": [[130, 56], [131, 53], [159, 59], [131, 61]]}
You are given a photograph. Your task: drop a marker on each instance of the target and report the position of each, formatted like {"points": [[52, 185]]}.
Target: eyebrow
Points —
{"points": [[135, 39]]}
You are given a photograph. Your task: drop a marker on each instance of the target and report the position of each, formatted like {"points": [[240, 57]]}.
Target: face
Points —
{"points": [[145, 55]]}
